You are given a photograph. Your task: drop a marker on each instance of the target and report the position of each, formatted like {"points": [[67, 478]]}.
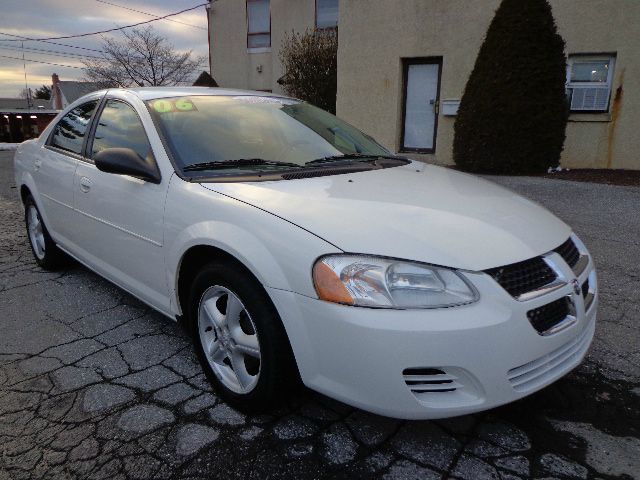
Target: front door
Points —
{"points": [[421, 105], [120, 218]]}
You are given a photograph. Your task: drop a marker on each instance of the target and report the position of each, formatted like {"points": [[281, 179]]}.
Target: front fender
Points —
{"points": [[279, 254], [239, 243]]}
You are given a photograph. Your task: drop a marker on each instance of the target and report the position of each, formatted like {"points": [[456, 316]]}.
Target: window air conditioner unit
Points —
{"points": [[589, 98]]}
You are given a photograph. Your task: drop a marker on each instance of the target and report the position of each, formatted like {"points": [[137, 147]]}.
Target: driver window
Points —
{"points": [[120, 127]]}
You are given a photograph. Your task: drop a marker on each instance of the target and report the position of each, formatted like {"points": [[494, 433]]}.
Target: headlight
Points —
{"points": [[385, 283]]}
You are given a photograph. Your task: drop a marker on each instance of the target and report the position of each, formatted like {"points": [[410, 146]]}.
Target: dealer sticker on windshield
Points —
{"points": [[176, 105]]}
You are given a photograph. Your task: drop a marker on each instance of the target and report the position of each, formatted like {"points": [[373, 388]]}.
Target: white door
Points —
{"points": [[421, 106], [120, 218]]}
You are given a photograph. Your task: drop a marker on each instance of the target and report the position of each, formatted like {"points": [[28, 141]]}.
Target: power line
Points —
{"points": [[70, 55], [55, 53], [46, 41], [41, 61], [110, 29], [63, 65], [150, 14]]}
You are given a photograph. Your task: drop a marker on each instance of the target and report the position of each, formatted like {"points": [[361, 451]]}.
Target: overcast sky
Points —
{"points": [[52, 18]]}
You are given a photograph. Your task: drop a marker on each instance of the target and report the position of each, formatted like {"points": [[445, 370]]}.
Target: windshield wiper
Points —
{"points": [[240, 162], [351, 156]]}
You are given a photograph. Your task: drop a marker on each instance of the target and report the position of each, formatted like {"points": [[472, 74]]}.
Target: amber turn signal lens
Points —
{"points": [[329, 286]]}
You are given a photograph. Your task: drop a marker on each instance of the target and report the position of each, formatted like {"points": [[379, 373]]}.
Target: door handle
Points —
{"points": [[85, 184], [37, 164], [436, 105]]}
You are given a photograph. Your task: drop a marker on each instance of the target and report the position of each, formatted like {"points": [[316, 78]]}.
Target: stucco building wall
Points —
{"points": [[236, 66], [375, 35]]}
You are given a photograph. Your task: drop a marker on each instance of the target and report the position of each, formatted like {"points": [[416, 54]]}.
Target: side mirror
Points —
{"points": [[124, 161]]}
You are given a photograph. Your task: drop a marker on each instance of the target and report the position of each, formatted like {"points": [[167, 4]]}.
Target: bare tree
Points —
{"points": [[142, 58]]}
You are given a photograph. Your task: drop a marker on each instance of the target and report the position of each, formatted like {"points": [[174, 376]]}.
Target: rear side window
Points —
{"points": [[69, 132], [120, 127]]}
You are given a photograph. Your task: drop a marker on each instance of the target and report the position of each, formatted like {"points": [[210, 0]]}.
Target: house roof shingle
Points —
{"points": [[74, 90]]}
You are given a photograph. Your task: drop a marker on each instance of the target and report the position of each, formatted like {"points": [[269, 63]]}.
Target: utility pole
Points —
{"points": [[208, 9], [26, 86]]}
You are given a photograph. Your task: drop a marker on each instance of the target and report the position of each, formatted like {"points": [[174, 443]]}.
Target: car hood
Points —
{"points": [[415, 212]]}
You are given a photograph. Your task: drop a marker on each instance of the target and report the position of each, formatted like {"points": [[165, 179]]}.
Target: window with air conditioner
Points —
{"points": [[589, 80]]}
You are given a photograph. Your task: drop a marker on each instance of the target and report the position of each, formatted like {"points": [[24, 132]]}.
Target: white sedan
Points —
{"points": [[294, 247]]}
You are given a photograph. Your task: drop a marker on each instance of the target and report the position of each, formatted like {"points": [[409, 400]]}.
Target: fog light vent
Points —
{"points": [[541, 371], [430, 380]]}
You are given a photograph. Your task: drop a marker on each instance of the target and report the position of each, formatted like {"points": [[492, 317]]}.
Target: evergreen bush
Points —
{"points": [[513, 114]]}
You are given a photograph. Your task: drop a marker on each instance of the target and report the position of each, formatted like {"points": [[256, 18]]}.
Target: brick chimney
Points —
{"points": [[55, 92]]}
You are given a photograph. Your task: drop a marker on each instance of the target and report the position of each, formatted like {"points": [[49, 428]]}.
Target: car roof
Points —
{"points": [[151, 93]]}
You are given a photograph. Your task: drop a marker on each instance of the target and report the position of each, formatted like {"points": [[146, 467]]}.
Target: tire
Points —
{"points": [[246, 356], [45, 251]]}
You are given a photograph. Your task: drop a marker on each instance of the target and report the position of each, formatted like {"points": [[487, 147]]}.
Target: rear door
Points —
{"points": [[55, 167], [120, 218]]}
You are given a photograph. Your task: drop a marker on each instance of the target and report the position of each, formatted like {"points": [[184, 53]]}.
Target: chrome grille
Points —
{"points": [[588, 293], [546, 317], [523, 277], [569, 252]]}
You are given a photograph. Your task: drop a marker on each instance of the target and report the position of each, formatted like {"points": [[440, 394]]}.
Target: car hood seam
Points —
{"points": [[273, 214]]}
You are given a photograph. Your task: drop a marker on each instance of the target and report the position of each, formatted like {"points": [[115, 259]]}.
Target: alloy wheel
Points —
{"points": [[36, 233], [229, 339]]}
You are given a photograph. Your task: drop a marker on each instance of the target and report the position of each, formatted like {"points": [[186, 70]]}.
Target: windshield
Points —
{"points": [[284, 132]]}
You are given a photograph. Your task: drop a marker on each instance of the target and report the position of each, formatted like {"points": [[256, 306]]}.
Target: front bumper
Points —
{"points": [[421, 364]]}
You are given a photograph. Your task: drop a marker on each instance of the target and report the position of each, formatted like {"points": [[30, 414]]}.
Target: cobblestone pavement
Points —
{"points": [[95, 385]]}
